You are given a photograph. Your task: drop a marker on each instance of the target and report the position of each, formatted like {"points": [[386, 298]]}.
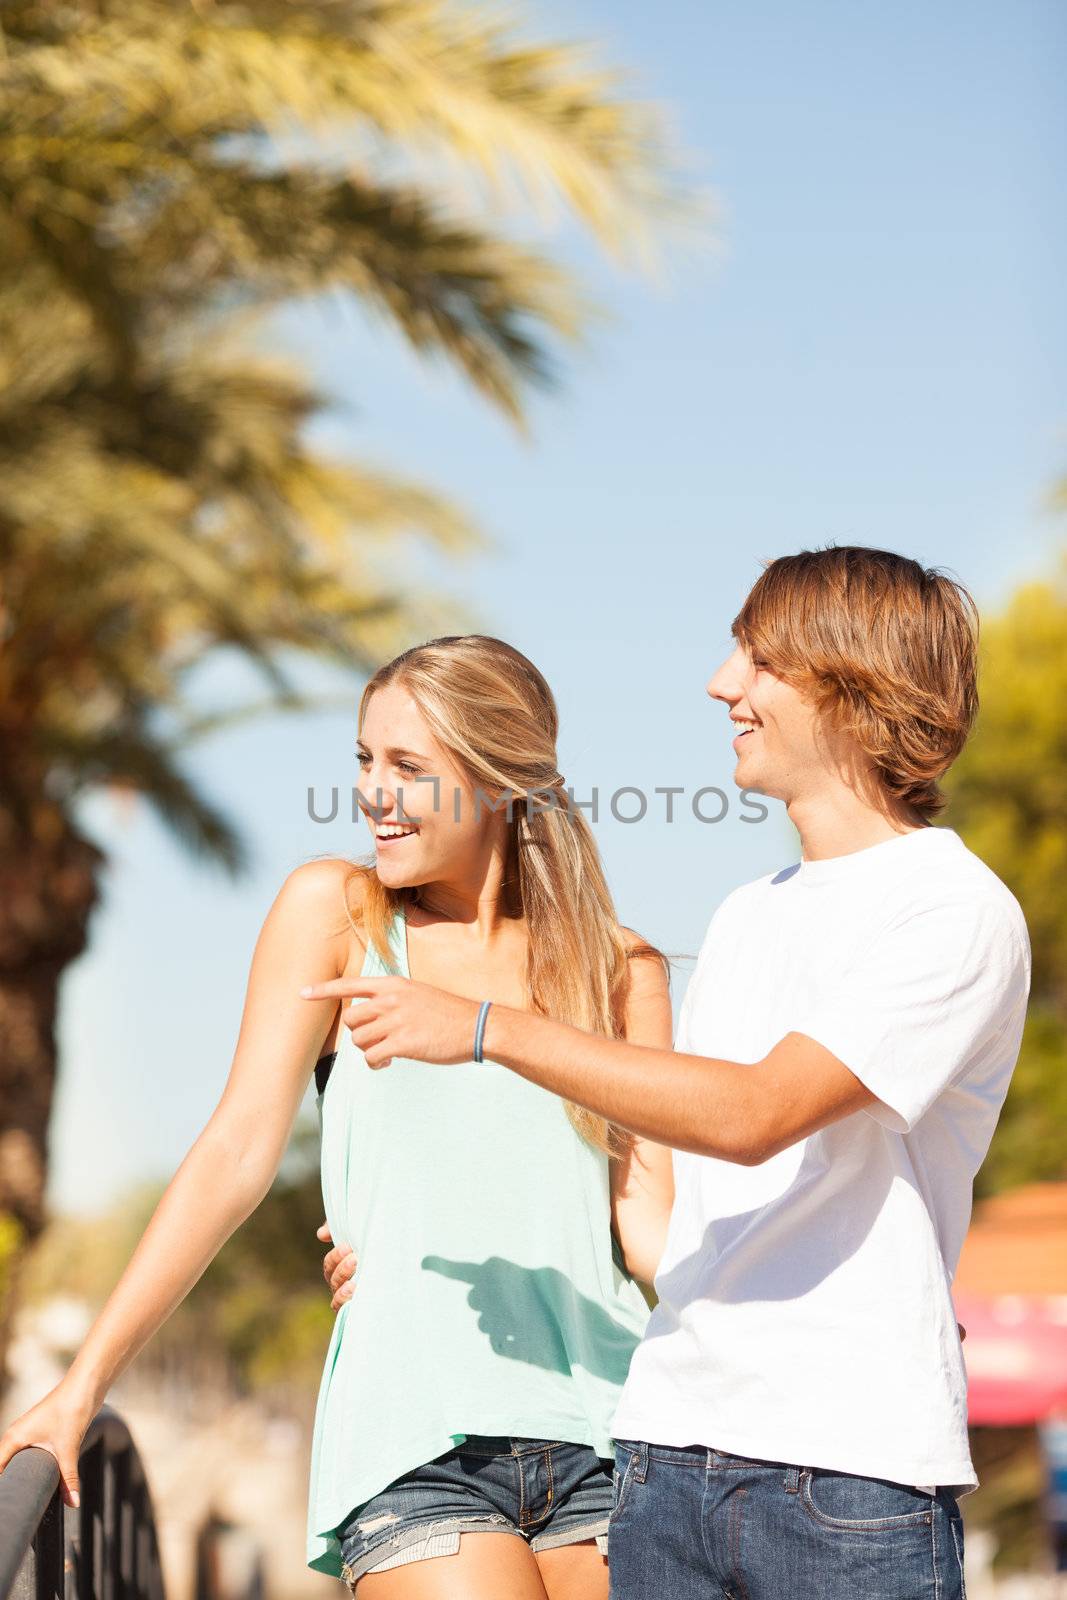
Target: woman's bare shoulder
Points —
{"points": [[324, 895], [636, 944], [649, 968]]}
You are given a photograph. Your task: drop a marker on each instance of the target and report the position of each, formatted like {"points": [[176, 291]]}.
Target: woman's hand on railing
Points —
{"points": [[58, 1424], [338, 1266]]}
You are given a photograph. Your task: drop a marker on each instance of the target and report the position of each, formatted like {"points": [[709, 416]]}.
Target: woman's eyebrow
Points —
{"points": [[393, 751]]}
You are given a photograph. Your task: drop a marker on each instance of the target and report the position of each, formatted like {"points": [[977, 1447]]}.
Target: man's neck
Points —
{"points": [[840, 822]]}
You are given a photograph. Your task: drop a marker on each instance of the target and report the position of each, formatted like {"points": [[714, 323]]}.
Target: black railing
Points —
{"points": [[107, 1549]]}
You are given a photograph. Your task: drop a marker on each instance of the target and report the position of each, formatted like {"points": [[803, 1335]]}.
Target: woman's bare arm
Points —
{"points": [[642, 1183], [232, 1163]]}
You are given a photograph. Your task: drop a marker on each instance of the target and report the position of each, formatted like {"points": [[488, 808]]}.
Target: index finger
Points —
{"points": [[355, 988]]}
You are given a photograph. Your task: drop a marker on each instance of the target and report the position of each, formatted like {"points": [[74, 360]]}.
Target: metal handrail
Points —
{"points": [[107, 1549]]}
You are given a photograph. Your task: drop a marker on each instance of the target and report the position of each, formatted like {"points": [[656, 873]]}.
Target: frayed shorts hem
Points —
{"points": [[554, 1540], [441, 1537]]}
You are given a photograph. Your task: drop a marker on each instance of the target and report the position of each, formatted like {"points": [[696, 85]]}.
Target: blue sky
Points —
{"points": [[873, 353]]}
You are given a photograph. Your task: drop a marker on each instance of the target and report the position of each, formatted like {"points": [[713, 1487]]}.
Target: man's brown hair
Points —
{"points": [[886, 647]]}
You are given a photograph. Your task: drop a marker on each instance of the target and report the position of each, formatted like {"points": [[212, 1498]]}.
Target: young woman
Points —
{"points": [[470, 1380]]}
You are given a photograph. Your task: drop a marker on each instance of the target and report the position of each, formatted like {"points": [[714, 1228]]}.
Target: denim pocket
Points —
{"points": [[850, 1504]]}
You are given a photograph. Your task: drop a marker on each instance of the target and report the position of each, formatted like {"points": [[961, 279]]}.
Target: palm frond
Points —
{"points": [[205, 725], [158, 497], [119, 760], [460, 78]]}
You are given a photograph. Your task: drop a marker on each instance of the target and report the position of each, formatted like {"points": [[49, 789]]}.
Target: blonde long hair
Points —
{"points": [[490, 707]]}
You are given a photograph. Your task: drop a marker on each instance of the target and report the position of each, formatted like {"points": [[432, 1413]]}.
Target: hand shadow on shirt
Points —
{"points": [[536, 1315], [782, 1249]]}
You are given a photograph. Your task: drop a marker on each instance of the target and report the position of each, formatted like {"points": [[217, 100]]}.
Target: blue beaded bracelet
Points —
{"points": [[479, 1029]]}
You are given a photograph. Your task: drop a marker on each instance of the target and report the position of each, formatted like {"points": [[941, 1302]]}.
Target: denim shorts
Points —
{"points": [[549, 1492], [691, 1521]]}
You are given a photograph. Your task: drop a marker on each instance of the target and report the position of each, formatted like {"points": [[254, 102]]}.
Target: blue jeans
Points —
{"points": [[547, 1491], [693, 1523]]}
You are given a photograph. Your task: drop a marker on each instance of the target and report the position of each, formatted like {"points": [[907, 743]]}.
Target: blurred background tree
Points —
{"points": [[1008, 798], [259, 1318], [166, 180]]}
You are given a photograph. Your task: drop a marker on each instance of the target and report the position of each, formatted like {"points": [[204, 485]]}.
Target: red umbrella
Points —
{"points": [[1016, 1354]]}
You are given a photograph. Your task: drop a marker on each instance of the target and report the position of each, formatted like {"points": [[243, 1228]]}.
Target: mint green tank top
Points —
{"points": [[489, 1294]]}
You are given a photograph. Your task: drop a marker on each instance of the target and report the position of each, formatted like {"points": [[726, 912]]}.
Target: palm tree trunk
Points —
{"points": [[49, 884]]}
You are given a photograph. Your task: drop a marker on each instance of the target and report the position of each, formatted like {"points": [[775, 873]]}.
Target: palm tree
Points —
{"points": [[171, 171]]}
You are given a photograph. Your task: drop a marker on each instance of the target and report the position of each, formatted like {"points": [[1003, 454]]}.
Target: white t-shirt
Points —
{"points": [[804, 1305]]}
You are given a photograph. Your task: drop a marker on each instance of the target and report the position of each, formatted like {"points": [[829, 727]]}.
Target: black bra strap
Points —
{"points": [[323, 1067]]}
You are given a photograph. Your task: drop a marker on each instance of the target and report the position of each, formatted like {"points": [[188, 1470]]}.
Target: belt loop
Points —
{"points": [[792, 1480], [641, 1469]]}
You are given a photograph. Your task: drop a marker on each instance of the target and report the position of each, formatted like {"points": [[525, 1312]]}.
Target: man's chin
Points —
{"points": [[747, 776]]}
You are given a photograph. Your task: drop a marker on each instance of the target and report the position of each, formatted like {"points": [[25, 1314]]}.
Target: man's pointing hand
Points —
{"points": [[396, 1017]]}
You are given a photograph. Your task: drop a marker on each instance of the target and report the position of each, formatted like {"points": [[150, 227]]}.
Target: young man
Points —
{"points": [[794, 1423]]}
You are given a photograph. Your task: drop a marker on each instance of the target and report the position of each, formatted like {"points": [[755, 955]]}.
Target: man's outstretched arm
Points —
{"points": [[737, 1112]]}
